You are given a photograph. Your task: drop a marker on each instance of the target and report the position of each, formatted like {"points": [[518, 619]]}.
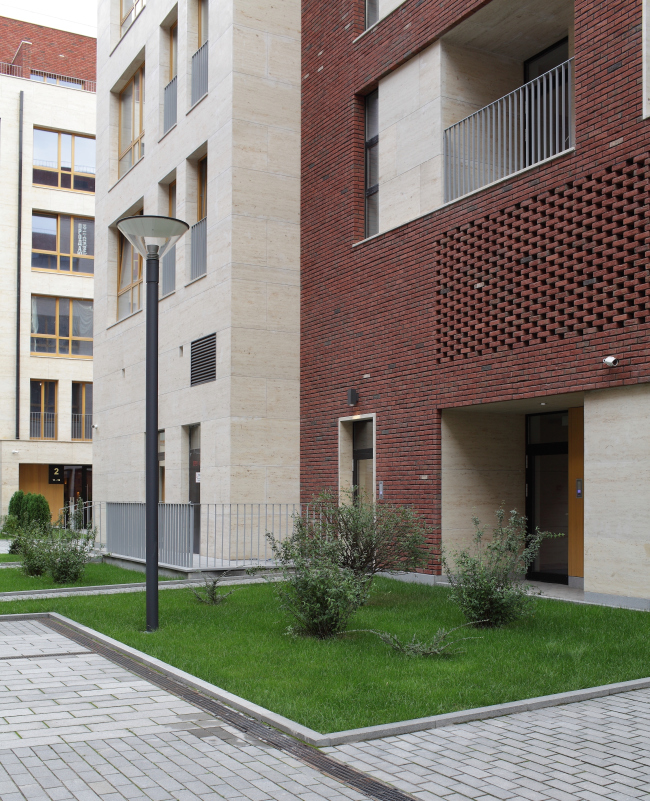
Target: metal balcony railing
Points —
{"points": [[42, 425], [168, 283], [51, 78], [527, 126], [199, 263], [169, 115], [200, 73], [82, 426]]}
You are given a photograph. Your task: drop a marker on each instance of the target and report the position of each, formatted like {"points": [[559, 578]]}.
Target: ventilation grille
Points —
{"points": [[204, 360]]}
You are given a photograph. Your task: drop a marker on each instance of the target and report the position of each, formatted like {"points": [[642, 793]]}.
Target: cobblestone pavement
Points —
{"points": [[79, 728], [74, 726], [591, 750]]}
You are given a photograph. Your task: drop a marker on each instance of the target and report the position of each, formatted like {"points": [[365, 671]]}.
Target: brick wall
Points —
{"points": [[561, 252], [60, 52]]}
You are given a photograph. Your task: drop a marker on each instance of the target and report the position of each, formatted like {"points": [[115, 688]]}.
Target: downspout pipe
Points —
{"points": [[19, 242]]}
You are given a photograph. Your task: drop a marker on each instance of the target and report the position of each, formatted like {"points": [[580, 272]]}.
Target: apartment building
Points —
{"points": [[47, 172], [475, 278], [198, 118]]}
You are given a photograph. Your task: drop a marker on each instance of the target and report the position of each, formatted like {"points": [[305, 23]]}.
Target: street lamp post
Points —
{"points": [[152, 237]]}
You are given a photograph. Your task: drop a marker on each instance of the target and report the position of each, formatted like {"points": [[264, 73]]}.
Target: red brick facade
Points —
{"points": [[58, 52], [561, 252]]}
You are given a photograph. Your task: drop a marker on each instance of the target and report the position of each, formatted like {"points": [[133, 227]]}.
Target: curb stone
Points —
{"points": [[317, 739]]}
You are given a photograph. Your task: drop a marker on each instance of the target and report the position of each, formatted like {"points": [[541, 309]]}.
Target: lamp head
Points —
{"points": [[150, 234]]}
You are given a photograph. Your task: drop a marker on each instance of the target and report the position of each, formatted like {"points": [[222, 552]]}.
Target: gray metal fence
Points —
{"points": [[201, 535], [168, 282], [200, 73], [527, 126], [199, 262], [169, 114]]}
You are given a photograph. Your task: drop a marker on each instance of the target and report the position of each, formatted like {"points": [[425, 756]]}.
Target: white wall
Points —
{"points": [[617, 491]]}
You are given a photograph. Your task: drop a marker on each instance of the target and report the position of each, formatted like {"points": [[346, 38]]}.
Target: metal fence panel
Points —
{"points": [[200, 73], [199, 262], [529, 125], [169, 114]]}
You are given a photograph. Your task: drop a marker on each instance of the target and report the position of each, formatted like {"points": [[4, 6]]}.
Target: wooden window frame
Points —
{"points": [[201, 5], [136, 145], [173, 62], [132, 284], [202, 189], [43, 382], [56, 337], [134, 10], [58, 252], [58, 170], [83, 438]]}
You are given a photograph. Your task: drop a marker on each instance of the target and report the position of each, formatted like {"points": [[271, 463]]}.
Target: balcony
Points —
{"points": [[524, 128], [42, 425], [51, 78], [82, 427], [200, 73], [169, 114], [199, 263]]}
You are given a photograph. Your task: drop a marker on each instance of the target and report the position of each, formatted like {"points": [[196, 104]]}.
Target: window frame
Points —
{"points": [[203, 5], [202, 189], [173, 51], [369, 144], [133, 284], [72, 173], [84, 405], [56, 337], [138, 141], [135, 9], [58, 253], [42, 411]]}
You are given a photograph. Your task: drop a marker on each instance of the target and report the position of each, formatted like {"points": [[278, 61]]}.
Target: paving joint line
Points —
{"points": [[369, 786], [45, 656]]}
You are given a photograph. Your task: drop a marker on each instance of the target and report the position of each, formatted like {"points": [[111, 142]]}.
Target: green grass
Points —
{"points": [[95, 574], [9, 557], [356, 680]]}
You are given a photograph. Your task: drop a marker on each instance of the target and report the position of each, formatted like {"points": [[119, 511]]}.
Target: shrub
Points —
{"points": [[11, 531], [373, 537], [68, 556], [36, 509], [34, 549], [440, 645], [16, 504], [316, 592], [486, 583]]}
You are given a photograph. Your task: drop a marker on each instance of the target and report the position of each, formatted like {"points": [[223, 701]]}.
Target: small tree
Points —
{"points": [[36, 509], [16, 505], [487, 582], [34, 549], [68, 556], [372, 537]]}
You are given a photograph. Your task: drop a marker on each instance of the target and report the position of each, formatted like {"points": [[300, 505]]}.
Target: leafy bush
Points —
{"points": [[16, 505], [36, 509], [487, 583], [316, 592], [11, 531], [34, 549], [209, 593], [373, 537], [68, 556]]}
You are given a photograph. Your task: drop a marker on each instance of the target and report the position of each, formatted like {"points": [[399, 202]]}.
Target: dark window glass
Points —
{"points": [[45, 178], [44, 316], [65, 233], [43, 232], [83, 183], [545, 428], [372, 12], [372, 163], [546, 60]]}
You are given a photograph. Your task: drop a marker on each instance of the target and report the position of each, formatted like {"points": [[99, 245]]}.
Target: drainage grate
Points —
{"points": [[370, 787], [44, 656]]}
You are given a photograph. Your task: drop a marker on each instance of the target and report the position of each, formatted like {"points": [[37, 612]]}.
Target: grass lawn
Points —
{"points": [[356, 680], [14, 580], [9, 557]]}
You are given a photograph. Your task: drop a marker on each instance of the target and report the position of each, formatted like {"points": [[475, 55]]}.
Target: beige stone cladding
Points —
{"points": [[248, 125], [476, 63], [617, 500], [73, 111]]}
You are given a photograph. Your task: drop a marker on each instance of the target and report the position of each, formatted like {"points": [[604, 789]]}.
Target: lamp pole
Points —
{"points": [[151, 444]]}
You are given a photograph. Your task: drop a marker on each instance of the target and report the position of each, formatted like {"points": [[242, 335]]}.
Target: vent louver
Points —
{"points": [[204, 360]]}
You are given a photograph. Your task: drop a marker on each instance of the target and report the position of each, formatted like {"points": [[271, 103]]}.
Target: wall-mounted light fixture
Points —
{"points": [[353, 397]]}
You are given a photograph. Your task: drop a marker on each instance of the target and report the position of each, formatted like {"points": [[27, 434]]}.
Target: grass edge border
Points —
{"points": [[314, 738]]}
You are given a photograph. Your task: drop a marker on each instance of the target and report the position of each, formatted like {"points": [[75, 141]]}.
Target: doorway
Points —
{"points": [[363, 462], [195, 483]]}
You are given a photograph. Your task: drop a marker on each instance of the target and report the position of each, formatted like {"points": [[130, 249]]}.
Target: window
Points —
{"points": [[82, 411], [129, 10], [129, 279], [202, 197], [62, 326], [203, 22], [372, 12], [62, 242], [161, 467], [372, 163], [131, 144], [58, 80], [363, 459], [168, 264], [42, 409], [64, 161], [173, 51]]}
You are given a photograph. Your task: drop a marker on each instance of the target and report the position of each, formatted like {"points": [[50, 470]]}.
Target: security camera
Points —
{"points": [[610, 361]]}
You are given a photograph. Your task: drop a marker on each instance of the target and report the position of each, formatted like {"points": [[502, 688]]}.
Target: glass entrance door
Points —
{"points": [[363, 460], [547, 492]]}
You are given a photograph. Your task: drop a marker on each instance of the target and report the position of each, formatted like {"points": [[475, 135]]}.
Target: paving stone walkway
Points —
{"points": [[76, 727]]}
